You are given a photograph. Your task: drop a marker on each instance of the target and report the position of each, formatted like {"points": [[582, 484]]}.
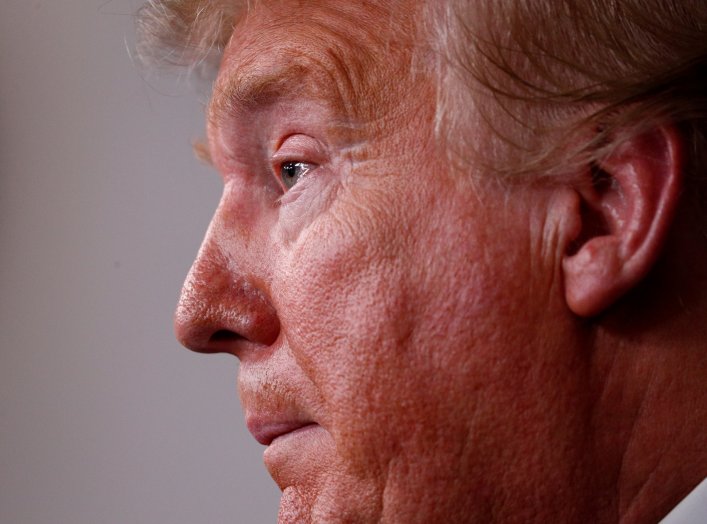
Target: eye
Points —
{"points": [[291, 172]]}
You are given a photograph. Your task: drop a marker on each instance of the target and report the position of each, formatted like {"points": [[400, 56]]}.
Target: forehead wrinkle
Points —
{"points": [[251, 87], [335, 64]]}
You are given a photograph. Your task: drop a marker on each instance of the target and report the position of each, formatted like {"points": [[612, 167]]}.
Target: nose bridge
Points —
{"points": [[224, 305]]}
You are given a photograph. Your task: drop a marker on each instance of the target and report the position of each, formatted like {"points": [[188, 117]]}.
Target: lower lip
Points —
{"points": [[294, 433]]}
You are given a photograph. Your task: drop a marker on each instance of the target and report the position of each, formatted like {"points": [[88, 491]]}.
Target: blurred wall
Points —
{"points": [[103, 417]]}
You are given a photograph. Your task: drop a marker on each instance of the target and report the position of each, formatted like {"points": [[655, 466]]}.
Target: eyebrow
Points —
{"points": [[248, 89]]}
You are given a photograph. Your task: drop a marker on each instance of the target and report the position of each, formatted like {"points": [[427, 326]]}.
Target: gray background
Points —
{"points": [[103, 417]]}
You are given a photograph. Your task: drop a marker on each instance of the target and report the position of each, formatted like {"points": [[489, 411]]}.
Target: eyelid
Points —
{"points": [[299, 147]]}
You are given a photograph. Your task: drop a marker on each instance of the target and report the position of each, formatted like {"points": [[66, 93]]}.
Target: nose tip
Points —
{"points": [[220, 311]]}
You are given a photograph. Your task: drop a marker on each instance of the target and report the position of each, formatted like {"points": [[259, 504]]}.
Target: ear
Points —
{"points": [[626, 209]]}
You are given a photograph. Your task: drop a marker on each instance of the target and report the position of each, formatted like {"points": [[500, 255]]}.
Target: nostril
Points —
{"points": [[225, 335]]}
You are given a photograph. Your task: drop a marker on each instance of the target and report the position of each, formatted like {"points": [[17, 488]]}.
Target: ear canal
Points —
{"points": [[627, 205]]}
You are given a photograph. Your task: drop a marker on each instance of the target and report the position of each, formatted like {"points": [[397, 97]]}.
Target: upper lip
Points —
{"points": [[275, 398]]}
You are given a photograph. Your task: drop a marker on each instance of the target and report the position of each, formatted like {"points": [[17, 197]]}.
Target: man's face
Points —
{"points": [[394, 324]]}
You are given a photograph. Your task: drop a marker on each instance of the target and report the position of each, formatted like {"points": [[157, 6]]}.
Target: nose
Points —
{"points": [[224, 306]]}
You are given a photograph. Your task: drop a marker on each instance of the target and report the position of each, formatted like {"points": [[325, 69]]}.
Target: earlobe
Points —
{"points": [[627, 206]]}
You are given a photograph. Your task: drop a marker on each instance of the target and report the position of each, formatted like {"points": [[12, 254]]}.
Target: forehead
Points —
{"points": [[350, 53]]}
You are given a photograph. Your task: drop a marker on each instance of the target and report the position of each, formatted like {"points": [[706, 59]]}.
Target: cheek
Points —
{"points": [[342, 295], [389, 312], [414, 324]]}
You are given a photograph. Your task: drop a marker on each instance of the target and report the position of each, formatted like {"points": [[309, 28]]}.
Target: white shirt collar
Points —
{"points": [[692, 509]]}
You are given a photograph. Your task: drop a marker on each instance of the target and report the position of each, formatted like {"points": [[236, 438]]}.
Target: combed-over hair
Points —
{"points": [[567, 77], [570, 77], [185, 33]]}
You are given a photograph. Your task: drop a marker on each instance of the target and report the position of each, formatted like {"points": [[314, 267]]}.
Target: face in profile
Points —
{"points": [[394, 337]]}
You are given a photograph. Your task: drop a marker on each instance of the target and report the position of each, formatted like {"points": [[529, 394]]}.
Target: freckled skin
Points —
{"points": [[413, 312]]}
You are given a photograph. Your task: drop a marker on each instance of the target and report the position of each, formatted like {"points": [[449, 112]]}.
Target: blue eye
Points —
{"points": [[291, 172]]}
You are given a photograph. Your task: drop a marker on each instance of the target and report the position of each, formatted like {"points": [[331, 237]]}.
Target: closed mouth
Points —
{"points": [[265, 432]]}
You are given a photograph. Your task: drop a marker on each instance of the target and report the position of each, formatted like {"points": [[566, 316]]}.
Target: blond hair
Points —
{"points": [[570, 77], [185, 33], [556, 80]]}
